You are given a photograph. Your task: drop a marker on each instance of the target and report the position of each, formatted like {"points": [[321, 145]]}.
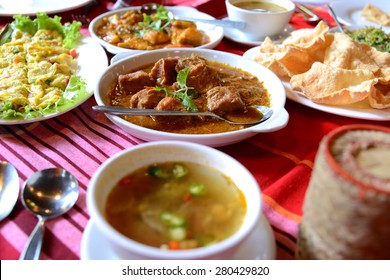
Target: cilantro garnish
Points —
{"points": [[158, 21], [375, 37], [185, 94]]}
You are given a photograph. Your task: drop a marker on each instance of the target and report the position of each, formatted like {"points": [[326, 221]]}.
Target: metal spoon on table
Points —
{"points": [[47, 194], [309, 15], [264, 113], [9, 188], [152, 8], [341, 29]]}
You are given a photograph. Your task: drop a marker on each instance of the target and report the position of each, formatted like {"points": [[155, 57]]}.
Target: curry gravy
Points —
{"points": [[249, 85]]}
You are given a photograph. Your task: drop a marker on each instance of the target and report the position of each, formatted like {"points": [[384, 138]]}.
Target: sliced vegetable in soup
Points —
{"points": [[176, 205]]}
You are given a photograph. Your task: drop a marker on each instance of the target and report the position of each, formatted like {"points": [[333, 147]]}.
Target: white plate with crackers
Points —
{"points": [[359, 110], [350, 12]]}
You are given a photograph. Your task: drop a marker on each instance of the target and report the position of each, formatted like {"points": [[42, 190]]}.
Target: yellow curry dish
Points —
{"points": [[139, 31], [38, 66]]}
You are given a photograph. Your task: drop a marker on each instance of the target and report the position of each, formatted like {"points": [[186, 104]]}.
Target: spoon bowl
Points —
{"points": [[151, 8], [47, 194], [9, 188], [263, 112], [309, 16]]}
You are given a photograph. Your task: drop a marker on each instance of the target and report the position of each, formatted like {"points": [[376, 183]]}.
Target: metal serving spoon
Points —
{"points": [[9, 188], [264, 113], [334, 16], [152, 8], [47, 194]]}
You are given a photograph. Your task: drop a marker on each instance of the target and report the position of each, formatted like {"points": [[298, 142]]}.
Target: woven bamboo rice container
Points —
{"points": [[346, 211]]}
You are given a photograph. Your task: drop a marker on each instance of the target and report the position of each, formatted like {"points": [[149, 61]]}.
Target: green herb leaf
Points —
{"points": [[158, 21], [182, 77], [185, 94], [375, 37]]}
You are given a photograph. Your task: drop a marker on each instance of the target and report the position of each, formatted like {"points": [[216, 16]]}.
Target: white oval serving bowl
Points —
{"points": [[271, 82], [214, 32], [126, 161]]}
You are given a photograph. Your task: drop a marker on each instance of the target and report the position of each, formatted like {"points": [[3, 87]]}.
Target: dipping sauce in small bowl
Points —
{"points": [[261, 6]]}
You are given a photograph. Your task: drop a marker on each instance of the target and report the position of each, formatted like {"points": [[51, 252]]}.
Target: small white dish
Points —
{"points": [[239, 37], [361, 110], [348, 12], [31, 7], [259, 246], [214, 32]]}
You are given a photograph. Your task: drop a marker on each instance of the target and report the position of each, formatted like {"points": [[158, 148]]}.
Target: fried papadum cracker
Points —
{"points": [[380, 97], [334, 86], [297, 53], [376, 15], [269, 56], [346, 53], [310, 40]]}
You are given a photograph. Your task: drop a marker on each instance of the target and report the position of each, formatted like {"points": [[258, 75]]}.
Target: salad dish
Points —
{"points": [[41, 73]]}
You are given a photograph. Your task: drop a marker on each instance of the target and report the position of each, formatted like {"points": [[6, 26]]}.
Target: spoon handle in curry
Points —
{"points": [[223, 23]]}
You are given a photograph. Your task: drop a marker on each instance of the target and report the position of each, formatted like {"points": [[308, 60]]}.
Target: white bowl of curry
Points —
{"points": [[129, 29], [191, 79]]}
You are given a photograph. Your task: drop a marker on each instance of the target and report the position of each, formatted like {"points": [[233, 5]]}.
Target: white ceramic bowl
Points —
{"points": [[126, 161], [261, 24], [214, 32], [273, 84]]}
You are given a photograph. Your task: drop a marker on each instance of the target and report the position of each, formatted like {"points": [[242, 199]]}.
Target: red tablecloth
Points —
{"points": [[83, 139]]}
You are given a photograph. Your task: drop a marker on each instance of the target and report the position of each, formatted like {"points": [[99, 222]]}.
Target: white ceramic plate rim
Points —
{"points": [[278, 119], [259, 245], [348, 12], [48, 6], [215, 32], [92, 61], [358, 111], [237, 36]]}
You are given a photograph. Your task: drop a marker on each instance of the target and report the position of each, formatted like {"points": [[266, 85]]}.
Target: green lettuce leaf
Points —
{"points": [[69, 31], [75, 92]]}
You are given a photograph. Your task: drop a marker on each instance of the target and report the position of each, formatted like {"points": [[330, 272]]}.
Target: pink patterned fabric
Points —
{"points": [[82, 139]]}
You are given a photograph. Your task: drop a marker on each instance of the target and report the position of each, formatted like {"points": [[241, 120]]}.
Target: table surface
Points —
{"points": [[82, 139]]}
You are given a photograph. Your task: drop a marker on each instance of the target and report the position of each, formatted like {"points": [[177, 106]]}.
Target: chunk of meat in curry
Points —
{"points": [[220, 88]]}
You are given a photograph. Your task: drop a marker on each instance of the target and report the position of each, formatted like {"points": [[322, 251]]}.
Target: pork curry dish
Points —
{"points": [[136, 30], [190, 83]]}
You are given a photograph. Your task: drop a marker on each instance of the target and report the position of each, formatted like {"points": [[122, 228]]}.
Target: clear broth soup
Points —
{"points": [[176, 205], [260, 6]]}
